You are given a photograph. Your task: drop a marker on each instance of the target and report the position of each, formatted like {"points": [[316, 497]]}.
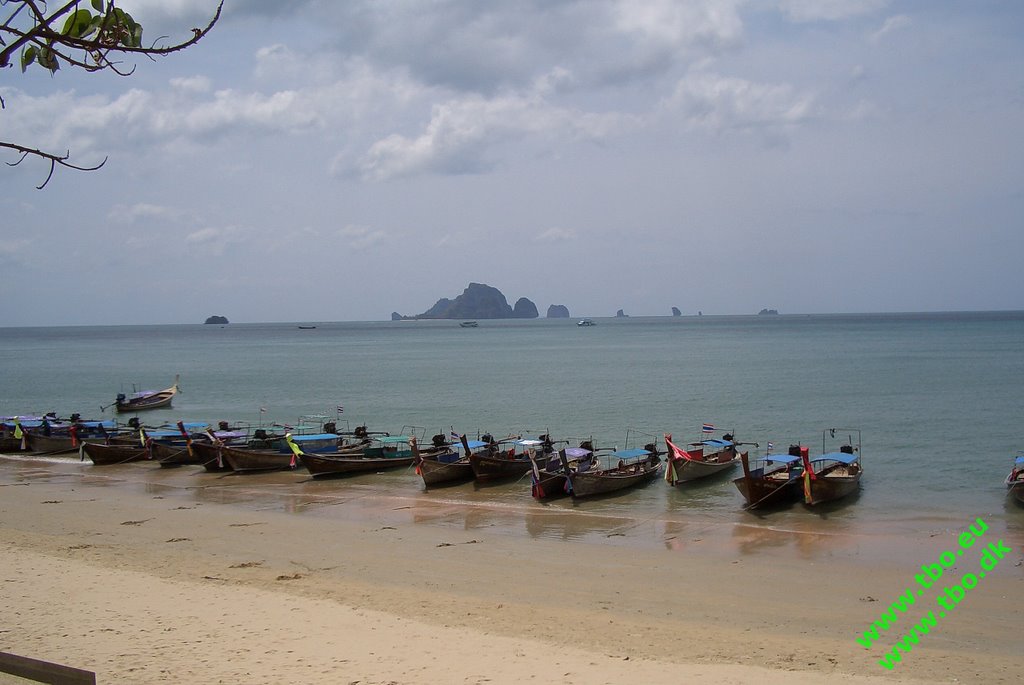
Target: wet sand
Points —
{"points": [[148, 575]]}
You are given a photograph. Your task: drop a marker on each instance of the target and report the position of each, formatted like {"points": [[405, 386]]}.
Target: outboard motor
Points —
{"points": [[794, 450], [439, 440], [75, 417], [360, 432], [587, 445], [134, 422], [223, 425], [330, 427], [727, 437], [846, 449], [260, 434]]}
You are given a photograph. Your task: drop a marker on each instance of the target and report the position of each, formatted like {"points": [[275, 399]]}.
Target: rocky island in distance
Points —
{"points": [[478, 301], [217, 319]]}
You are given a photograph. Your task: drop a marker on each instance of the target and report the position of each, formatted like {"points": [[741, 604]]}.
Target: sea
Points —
{"points": [[936, 400]]}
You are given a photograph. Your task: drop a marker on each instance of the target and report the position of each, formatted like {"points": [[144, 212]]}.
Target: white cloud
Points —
{"points": [[215, 241], [362, 237], [194, 84], [556, 235], [829, 10], [722, 103], [462, 134], [140, 211], [891, 25]]}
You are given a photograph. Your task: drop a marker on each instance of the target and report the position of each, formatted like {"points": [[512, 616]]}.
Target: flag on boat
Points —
{"points": [[675, 451], [263, 410], [455, 437], [770, 447], [341, 409], [708, 428]]}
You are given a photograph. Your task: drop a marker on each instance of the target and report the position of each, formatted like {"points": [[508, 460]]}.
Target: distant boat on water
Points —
{"points": [[585, 322], [468, 324], [307, 328]]}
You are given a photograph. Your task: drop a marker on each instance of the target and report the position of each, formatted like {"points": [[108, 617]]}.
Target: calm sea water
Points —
{"points": [[938, 397]]}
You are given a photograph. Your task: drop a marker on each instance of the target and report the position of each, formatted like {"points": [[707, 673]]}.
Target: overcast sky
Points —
{"points": [[332, 161]]}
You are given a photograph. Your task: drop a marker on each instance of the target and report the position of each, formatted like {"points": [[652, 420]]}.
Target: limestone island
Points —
{"points": [[217, 319], [558, 311], [478, 301], [767, 311]]}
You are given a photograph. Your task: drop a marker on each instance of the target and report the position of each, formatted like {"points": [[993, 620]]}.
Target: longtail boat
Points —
{"points": [[388, 452], [633, 467], [443, 463], [548, 479], [49, 435], [146, 399], [835, 474], [776, 481], [501, 460], [109, 455], [704, 458], [1015, 481]]}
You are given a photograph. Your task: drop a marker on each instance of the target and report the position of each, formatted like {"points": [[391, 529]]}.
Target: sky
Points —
{"points": [[314, 160]]}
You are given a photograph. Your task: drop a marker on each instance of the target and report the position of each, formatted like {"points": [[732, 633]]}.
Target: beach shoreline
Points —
{"points": [[141, 581]]}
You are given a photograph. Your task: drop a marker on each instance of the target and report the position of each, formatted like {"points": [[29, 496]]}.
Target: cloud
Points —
{"points": [[362, 237], [829, 10], [891, 25], [194, 84], [214, 241], [556, 235], [463, 133], [140, 211], [724, 103]]}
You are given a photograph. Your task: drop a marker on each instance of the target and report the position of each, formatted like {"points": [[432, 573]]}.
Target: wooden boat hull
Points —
{"points": [[489, 468], [157, 400], [58, 444], [687, 471], [246, 460], [175, 454], [761, 493], [549, 486], [435, 471], [602, 482], [109, 455], [1017, 492], [210, 457], [829, 488], [10, 444], [323, 465]]}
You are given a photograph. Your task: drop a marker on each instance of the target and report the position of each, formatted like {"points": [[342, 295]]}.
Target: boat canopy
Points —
{"points": [[576, 452], [393, 439], [782, 458], [311, 437], [1019, 459], [715, 442], [529, 442], [630, 454], [842, 457]]}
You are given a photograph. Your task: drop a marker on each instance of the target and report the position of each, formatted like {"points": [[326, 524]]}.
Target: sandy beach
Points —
{"points": [[144, 584]]}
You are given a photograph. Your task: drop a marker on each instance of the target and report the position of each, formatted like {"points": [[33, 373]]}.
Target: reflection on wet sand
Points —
{"points": [[676, 519]]}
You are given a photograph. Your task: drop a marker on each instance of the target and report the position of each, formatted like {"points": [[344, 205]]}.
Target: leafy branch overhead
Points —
{"points": [[92, 36]]}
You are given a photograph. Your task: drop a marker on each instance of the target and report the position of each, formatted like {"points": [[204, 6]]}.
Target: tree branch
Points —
{"points": [[54, 160]]}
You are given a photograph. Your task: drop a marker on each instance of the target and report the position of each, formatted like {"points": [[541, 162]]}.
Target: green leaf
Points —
{"points": [[77, 23], [97, 5], [28, 56]]}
